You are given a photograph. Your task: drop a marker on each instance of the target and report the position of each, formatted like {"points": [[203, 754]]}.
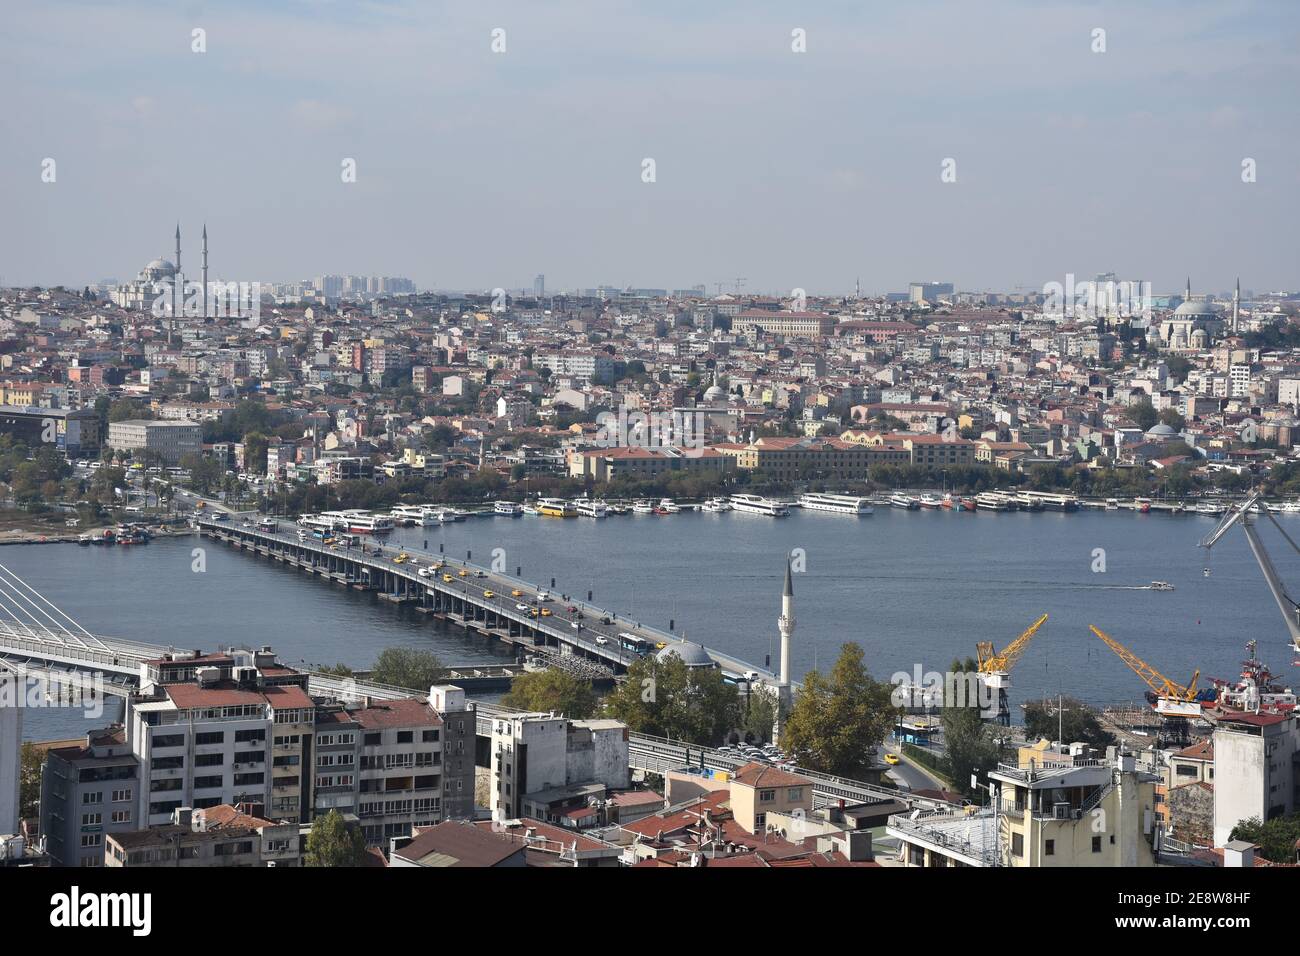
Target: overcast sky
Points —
{"points": [[478, 169]]}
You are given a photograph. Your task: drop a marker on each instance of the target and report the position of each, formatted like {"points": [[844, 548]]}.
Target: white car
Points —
{"points": [[521, 607], [424, 572], [602, 639]]}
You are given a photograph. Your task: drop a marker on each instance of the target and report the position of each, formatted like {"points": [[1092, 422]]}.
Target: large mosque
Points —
{"points": [[162, 278], [1197, 323]]}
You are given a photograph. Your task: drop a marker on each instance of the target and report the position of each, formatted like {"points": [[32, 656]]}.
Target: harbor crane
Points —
{"points": [[995, 668], [1175, 703], [1243, 514]]}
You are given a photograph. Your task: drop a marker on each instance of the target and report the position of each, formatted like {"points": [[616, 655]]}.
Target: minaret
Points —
{"points": [[1187, 296], [178, 287], [205, 271], [785, 624], [1236, 305]]}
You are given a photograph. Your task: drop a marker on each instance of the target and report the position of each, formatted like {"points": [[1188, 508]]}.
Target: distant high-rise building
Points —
{"points": [[539, 286], [928, 291]]}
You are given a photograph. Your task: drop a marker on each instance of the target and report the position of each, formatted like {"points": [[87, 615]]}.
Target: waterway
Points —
{"points": [[915, 589]]}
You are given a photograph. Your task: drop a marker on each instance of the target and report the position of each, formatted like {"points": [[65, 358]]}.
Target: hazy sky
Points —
{"points": [[478, 169]]}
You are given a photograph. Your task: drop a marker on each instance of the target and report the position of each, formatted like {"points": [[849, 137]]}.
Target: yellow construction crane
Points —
{"points": [[995, 668], [1174, 702]]}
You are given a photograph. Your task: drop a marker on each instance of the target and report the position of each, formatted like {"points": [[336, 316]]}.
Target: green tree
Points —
{"points": [[664, 697], [1143, 414], [407, 667], [31, 761], [337, 670], [968, 740], [1070, 722], [333, 843], [837, 720], [552, 691], [1275, 838]]}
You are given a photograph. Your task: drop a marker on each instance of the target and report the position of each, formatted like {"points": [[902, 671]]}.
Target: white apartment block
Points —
{"points": [[170, 439], [1255, 775]]}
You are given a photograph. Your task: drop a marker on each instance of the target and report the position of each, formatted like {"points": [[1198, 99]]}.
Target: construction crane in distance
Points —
{"points": [[995, 668], [1175, 703], [1243, 514]]}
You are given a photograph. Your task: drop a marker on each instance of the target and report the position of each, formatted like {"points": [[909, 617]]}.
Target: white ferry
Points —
{"points": [[530, 509], [362, 522], [409, 515], [511, 509], [320, 522], [989, 501], [931, 502], [668, 506], [905, 502], [843, 504], [756, 504], [448, 515], [716, 504], [556, 508], [591, 509], [642, 507]]}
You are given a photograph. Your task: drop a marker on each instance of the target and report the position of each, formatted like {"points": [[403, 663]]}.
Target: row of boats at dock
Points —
{"points": [[365, 522]]}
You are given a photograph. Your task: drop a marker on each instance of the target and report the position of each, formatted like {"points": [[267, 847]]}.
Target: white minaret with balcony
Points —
{"points": [[785, 624]]}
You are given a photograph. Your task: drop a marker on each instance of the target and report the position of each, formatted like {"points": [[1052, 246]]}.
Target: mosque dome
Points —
{"points": [[1161, 432], [692, 655], [159, 268], [1192, 309]]}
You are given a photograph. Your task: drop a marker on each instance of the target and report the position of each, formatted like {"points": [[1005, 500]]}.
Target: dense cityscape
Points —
{"points": [[558, 437]]}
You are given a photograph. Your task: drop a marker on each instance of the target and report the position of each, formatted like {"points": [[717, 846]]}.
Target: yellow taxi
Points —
{"points": [[516, 593], [400, 559], [546, 612], [448, 578], [533, 613], [488, 594], [462, 573], [891, 759]]}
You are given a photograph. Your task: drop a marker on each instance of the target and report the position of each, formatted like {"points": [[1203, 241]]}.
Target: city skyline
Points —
{"points": [[479, 169]]}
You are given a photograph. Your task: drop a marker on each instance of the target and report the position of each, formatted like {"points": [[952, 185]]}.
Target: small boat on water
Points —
{"points": [[510, 509], [642, 507], [531, 509], [1161, 586], [716, 504], [930, 502], [1143, 505], [905, 502], [668, 506]]}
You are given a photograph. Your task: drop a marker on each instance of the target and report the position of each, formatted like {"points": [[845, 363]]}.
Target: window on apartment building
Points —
{"points": [[209, 760], [92, 796], [794, 793], [91, 819], [372, 740], [249, 736], [1017, 844], [121, 816], [1096, 844], [405, 736], [201, 740], [92, 839], [121, 796], [429, 736], [168, 740], [168, 763], [1049, 848], [207, 783], [766, 796]]}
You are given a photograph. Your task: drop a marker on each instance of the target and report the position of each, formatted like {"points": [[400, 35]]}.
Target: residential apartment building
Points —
{"points": [[222, 836], [172, 440], [545, 766], [87, 794], [1255, 769]]}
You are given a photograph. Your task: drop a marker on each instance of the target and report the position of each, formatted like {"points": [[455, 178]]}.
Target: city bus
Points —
{"points": [[637, 645]]}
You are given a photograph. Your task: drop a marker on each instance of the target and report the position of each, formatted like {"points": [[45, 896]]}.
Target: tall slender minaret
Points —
{"points": [[205, 271], [178, 287], [1236, 306], [785, 624]]}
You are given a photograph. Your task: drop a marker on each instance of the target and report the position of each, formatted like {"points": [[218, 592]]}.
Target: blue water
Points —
{"points": [[913, 588]]}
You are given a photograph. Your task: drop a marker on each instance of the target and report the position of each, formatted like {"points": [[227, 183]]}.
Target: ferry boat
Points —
{"points": [[1142, 505], [362, 522], [322, 522], [668, 506], [1026, 503], [642, 507], [618, 509], [556, 508], [989, 501], [756, 504], [1209, 508], [511, 509], [588, 508], [904, 502], [930, 502], [1112, 504], [841, 504], [410, 515], [1049, 501], [716, 504]]}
